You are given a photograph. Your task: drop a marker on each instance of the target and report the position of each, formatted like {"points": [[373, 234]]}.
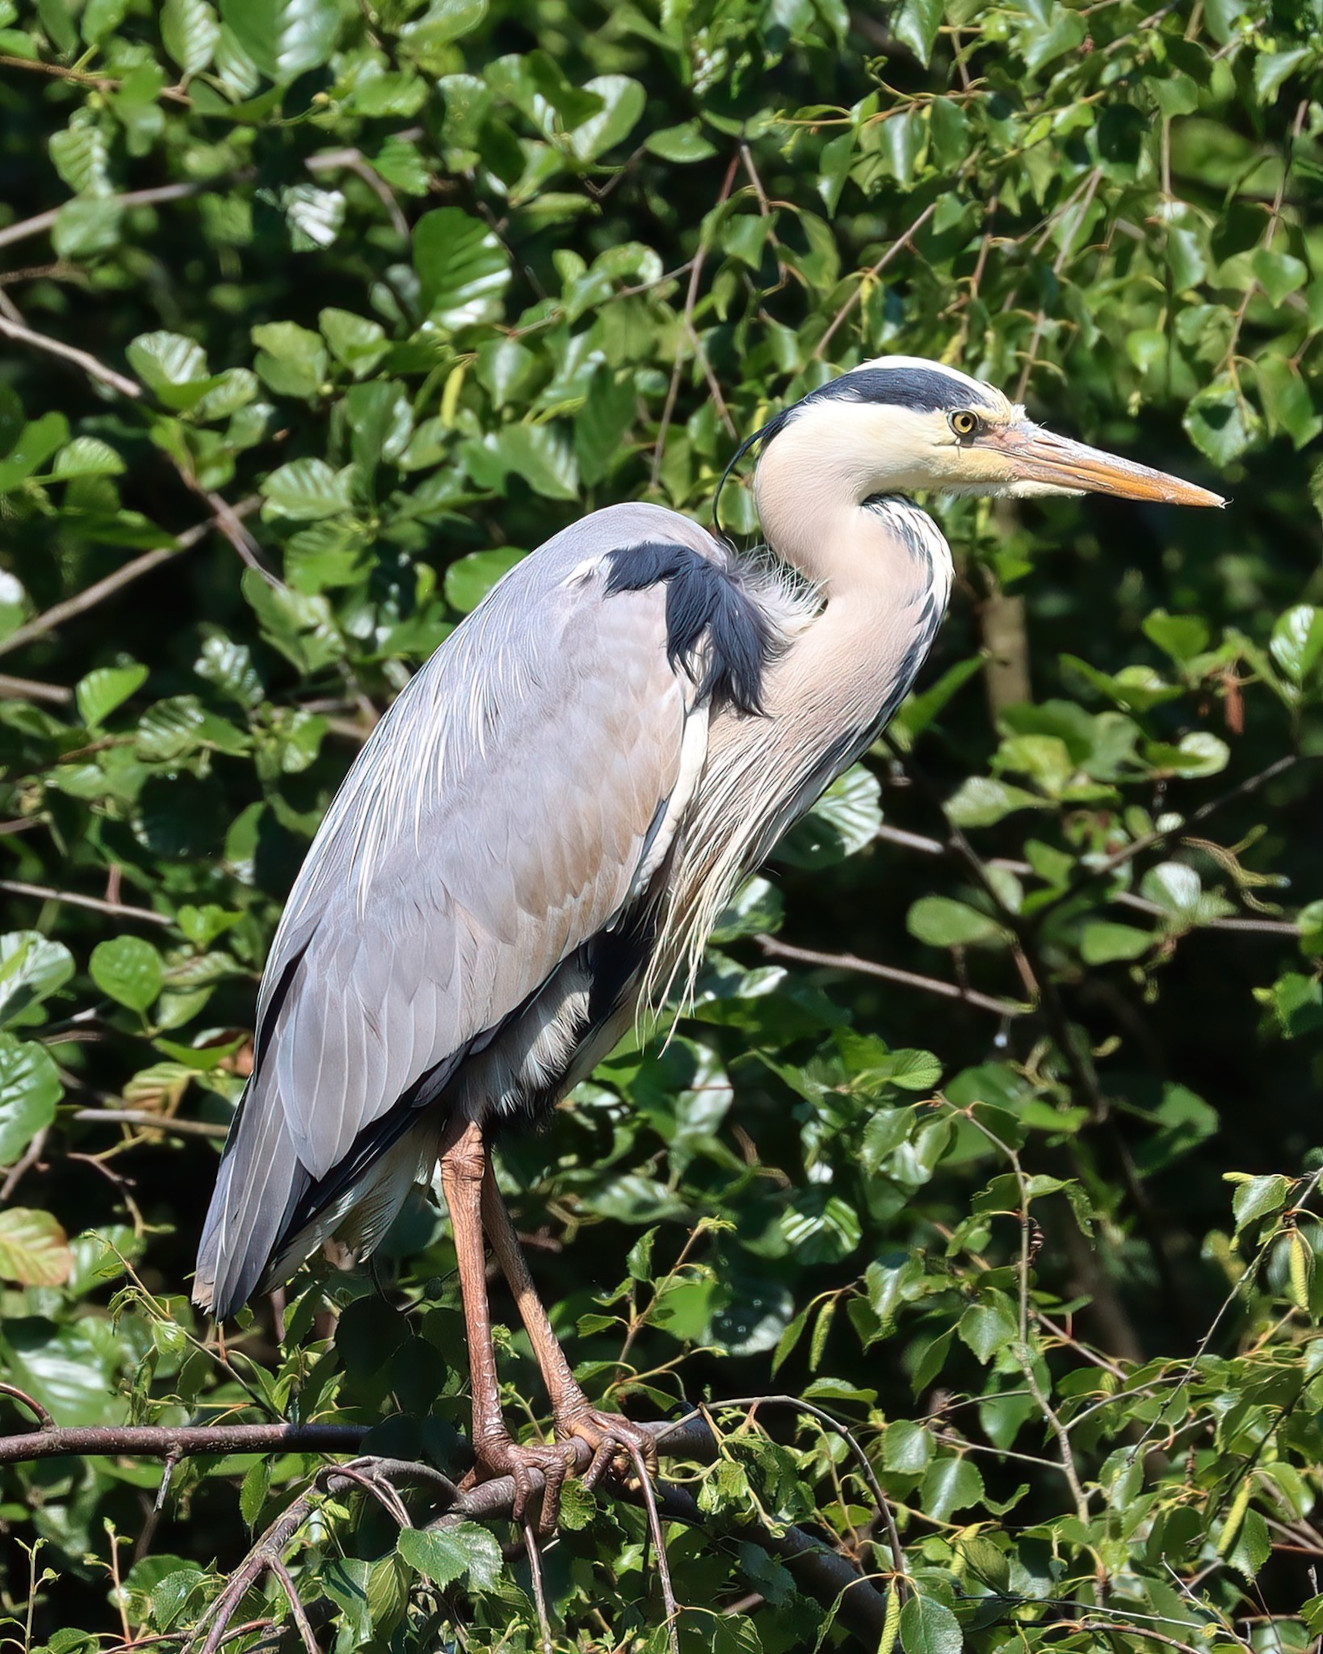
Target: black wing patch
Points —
{"points": [[706, 602]]}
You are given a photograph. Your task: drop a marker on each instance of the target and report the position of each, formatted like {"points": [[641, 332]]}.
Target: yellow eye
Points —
{"points": [[965, 423]]}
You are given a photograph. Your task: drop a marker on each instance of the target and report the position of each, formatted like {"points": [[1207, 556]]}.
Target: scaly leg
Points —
{"points": [[614, 1440], [463, 1165]]}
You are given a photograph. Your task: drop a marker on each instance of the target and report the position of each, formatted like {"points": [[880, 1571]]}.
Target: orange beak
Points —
{"points": [[1056, 463]]}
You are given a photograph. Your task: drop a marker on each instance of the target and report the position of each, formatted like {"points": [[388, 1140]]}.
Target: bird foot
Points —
{"points": [[618, 1445], [502, 1456]]}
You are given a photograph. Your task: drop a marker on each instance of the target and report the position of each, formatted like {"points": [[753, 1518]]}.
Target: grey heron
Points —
{"points": [[539, 835]]}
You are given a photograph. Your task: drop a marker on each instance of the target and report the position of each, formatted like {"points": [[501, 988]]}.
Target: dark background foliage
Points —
{"points": [[993, 1130]]}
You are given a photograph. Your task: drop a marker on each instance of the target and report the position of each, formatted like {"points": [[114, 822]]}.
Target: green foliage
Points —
{"points": [[992, 1131]]}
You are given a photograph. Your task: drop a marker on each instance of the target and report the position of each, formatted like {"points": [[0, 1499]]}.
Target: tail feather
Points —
{"points": [[268, 1214], [258, 1186]]}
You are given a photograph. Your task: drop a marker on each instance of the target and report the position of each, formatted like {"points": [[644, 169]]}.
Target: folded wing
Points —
{"points": [[498, 819]]}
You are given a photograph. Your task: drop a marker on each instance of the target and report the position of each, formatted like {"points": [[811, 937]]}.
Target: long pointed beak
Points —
{"points": [[1039, 457]]}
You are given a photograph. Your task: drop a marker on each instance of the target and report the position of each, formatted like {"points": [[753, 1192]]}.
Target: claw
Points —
{"points": [[616, 1443], [500, 1456]]}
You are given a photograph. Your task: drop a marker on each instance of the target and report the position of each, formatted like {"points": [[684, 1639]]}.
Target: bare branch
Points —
{"points": [[151, 1122], [28, 689], [21, 334], [95, 904], [892, 973], [58, 613], [43, 221]]}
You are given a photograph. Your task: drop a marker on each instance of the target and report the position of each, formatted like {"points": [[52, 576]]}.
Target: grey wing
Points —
{"points": [[500, 816]]}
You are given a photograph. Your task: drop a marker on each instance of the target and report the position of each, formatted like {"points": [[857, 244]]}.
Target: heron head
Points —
{"points": [[901, 424]]}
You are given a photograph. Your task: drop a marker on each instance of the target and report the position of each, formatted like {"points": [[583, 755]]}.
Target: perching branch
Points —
{"points": [[822, 1572], [166, 1441]]}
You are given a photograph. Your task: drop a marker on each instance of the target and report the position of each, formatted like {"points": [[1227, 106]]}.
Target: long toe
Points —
{"points": [[618, 1445], [501, 1456]]}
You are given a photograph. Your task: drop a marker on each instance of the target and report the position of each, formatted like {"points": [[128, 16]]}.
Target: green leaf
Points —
{"points": [[982, 801], [950, 1484], [680, 145], [79, 156], [34, 1250], [101, 691], [821, 1228], [1271, 69], [929, 1627], [129, 970], [171, 366], [356, 342], [85, 226], [1180, 636], [291, 359], [916, 25], [844, 820], [988, 1326], [29, 1090], [622, 105], [189, 32], [1257, 1197], [1101, 942], [307, 490], [1221, 422], [533, 453], [462, 267], [283, 38], [447, 1554], [907, 1447], [1297, 641], [87, 456], [1278, 274], [32, 967], [944, 923]]}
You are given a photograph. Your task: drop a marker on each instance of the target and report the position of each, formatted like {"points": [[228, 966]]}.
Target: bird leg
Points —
{"points": [[463, 1166], [616, 1443]]}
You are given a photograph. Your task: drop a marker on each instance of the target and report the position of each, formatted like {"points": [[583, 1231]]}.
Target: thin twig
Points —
{"points": [[31, 1155], [95, 904], [876, 269], [690, 302], [296, 1608], [28, 689], [892, 973], [44, 221], [22, 334], [43, 1418], [98, 592], [151, 1122], [534, 1555]]}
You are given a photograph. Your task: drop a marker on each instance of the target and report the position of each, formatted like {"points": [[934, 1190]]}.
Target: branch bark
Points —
{"points": [[164, 1441]]}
